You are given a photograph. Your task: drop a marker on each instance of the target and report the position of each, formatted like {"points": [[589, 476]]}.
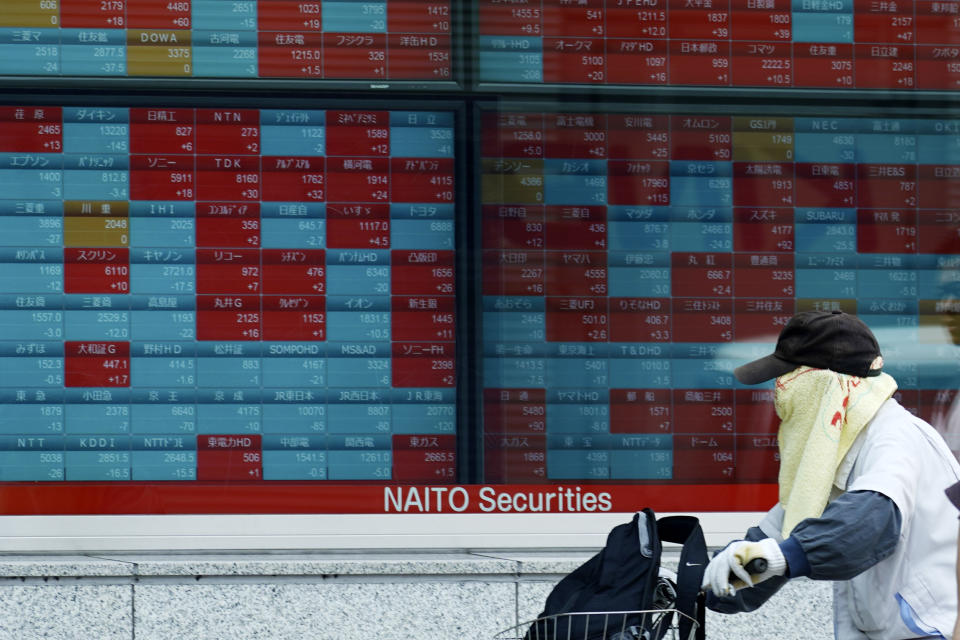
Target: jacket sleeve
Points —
{"points": [[857, 530]]}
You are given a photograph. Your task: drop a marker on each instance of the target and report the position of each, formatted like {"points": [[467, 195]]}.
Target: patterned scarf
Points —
{"points": [[821, 414]]}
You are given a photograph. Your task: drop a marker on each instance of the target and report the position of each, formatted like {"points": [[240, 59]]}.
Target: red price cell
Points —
{"points": [[937, 22], [885, 66], [701, 274], [228, 271], [513, 227], [763, 184], [520, 18], [422, 179], [96, 364], [355, 55], [639, 137], [157, 177], [584, 19], [938, 67], [228, 224], [294, 318], [229, 457], [228, 131], [576, 228], [294, 271], [758, 458], [96, 270], [288, 54], [228, 317], [884, 22], [823, 65], [162, 131], [358, 226], [703, 458], [93, 14], [763, 229], [424, 364], [576, 136], [514, 273], [424, 458], [700, 63], [423, 318], [640, 411], [574, 60], [522, 411], [637, 62], [761, 319], [711, 461], [647, 21], [515, 458], [581, 273], [422, 272], [936, 186], [31, 129], [825, 185], [228, 178], [419, 16], [700, 138], [358, 180], [158, 14], [887, 185], [762, 64], [640, 320], [577, 319], [290, 15], [418, 57], [937, 232], [755, 412], [702, 411], [512, 135], [358, 133], [702, 320], [761, 22], [769, 275], [300, 178], [699, 20], [886, 231], [638, 182]]}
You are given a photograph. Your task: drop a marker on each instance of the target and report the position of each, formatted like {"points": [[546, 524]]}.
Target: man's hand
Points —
{"points": [[727, 571]]}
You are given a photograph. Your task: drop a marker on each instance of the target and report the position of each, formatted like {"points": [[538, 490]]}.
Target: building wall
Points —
{"points": [[326, 595]]}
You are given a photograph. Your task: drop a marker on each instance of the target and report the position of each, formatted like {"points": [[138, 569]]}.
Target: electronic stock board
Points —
{"points": [[233, 301], [833, 44]]}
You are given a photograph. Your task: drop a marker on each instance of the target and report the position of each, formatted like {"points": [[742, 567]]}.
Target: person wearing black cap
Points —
{"points": [[861, 491]]}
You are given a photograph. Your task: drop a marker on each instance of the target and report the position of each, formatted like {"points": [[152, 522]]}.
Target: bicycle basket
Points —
{"points": [[604, 625]]}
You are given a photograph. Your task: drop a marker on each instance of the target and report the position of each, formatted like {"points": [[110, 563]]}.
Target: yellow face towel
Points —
{"points": [[821, 413]]}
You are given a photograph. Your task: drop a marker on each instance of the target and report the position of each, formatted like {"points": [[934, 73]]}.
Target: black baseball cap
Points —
{"points": [[821, 339]]}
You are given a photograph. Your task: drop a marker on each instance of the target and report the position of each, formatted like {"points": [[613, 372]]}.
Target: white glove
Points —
{"points": [[734, 559]]}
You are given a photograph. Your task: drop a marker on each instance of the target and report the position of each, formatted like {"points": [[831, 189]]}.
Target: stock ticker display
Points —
{"points": [[220, 294], [833, 44], [334, 39], [631, 261]]}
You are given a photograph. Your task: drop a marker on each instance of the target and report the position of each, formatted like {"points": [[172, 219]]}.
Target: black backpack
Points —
{"points": [[625, 576]]}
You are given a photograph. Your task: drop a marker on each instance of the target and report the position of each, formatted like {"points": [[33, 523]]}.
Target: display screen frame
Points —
{"points": [[224, 497], [262, 85], [532, 89], [56, 517], [659, 104]]}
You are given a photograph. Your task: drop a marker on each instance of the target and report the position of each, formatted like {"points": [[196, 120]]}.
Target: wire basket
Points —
{"points": [[651, 624]]}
